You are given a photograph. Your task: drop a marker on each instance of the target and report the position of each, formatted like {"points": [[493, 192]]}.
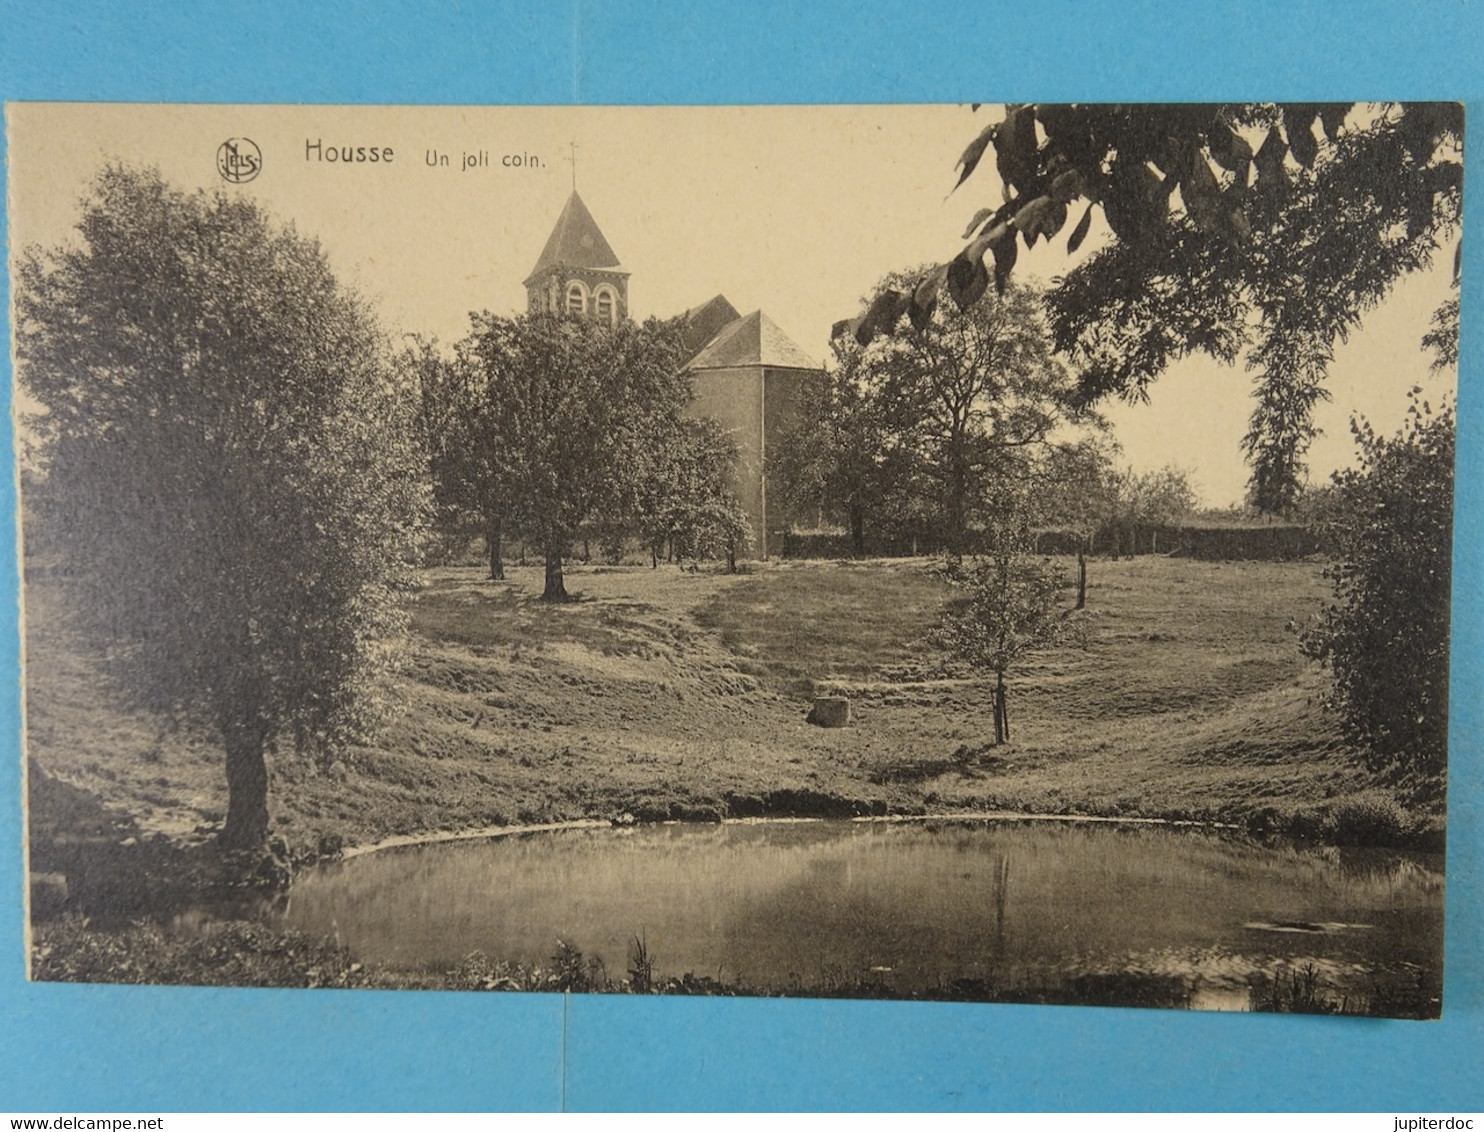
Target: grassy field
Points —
{"points": [[665, 693]]}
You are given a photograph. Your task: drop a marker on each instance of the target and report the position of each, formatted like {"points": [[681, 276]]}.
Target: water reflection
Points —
{"points": [[1134, 915]]}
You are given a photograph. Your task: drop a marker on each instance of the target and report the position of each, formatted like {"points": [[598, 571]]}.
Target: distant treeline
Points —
{"points": [[1268, 542]]}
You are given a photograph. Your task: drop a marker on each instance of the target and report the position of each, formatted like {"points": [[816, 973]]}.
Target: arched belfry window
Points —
{"points": [[576, 298], [605, 304]]}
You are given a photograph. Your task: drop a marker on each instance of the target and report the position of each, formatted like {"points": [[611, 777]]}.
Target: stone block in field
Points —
{"points": [[830, 711]]}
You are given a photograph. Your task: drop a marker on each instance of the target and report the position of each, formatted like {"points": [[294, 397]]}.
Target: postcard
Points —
{"points": [[981, 553]]}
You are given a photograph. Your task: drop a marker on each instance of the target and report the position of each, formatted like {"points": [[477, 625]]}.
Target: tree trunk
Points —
{"points": [[494, 538], [247, 789], [731, 558], [956, 509], [587, 554], [858, 532], [1001, 718], [1081, 579], [556, 587], [956, 523]]}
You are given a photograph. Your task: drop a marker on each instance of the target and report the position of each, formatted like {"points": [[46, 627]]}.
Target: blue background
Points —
{"points": [[77, 1048]]}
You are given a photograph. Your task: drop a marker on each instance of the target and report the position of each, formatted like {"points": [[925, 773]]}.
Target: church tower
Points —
{"points": [[578, 272]]}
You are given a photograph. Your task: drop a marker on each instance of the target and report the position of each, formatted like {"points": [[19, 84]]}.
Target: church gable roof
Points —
{"points": [[700, 324], [753, 340], [576, 241]]}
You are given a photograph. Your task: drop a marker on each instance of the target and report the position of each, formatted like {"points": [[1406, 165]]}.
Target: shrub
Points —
{"points": [[1385, 636], [1372, 818], [229, 953]]}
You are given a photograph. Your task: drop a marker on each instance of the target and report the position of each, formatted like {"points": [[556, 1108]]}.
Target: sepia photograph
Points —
{"points": [[974, 553]]}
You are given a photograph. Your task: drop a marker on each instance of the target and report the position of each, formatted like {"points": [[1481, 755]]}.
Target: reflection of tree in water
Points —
{"points": [[1000, 888]]}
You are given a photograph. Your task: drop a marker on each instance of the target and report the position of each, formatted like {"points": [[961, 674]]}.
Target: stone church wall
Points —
{"points": [[784, 388], [734, 397]]}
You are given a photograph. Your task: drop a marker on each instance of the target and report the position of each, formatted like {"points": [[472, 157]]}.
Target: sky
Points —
{"points": [[798, 211]]}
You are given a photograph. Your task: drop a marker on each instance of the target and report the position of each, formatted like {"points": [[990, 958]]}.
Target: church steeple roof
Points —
{"points": [[576, 241]]}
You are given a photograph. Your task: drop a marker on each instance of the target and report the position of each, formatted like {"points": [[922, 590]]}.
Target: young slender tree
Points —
{"points": [[1008, 606], [1076, 487], [230, 471]]}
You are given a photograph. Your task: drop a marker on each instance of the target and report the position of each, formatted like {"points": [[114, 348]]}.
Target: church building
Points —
{"points": [[746, 372], [748, 375]]}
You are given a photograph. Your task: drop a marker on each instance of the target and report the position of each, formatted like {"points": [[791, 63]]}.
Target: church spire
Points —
{"points": [[578, 272]]}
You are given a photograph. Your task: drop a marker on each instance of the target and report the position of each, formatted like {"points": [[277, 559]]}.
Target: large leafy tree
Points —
{"points": [[1253, 230], [1385, 635], [847, 457], [471, 493], [683, 495], [966, 395], [229, 470], [572, 414], [445, 402]]}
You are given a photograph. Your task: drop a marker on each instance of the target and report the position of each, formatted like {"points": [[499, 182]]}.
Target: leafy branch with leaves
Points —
{"points": [[1262, 230]]}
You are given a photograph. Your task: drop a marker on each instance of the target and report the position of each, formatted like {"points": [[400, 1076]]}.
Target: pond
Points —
{"points": [[1009, 911]]}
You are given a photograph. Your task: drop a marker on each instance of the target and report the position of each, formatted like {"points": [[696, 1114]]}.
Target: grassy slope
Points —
{"points": [[671, 693]]}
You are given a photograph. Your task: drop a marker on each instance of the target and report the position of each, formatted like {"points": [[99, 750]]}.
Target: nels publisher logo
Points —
{"points": [[239, 160]]}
